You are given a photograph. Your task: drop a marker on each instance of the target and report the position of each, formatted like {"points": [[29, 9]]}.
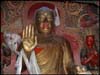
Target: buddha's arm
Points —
{"points": [[67, 58], [68, 62]]}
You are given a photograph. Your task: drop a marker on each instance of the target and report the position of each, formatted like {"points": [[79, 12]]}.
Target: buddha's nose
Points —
{"points": [[45, 24], [45, 20]]}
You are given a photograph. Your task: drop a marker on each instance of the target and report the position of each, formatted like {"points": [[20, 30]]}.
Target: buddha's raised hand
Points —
{"points": [[29, 40]]}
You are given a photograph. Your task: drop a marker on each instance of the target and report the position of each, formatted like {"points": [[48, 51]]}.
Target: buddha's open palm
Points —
{"points": [[29, 40]]}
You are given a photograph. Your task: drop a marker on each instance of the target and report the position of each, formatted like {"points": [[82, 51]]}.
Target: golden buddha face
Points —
{"points": [[44, 21]]}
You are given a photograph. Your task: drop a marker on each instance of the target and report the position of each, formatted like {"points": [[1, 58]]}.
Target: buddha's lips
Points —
{"points": [[45, 25]]}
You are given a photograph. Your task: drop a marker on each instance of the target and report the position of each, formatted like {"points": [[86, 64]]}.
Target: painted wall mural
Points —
{"points": [[12, 14], [12, 10]]}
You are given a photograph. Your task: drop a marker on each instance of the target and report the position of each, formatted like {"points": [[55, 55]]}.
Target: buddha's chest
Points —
{"points": [[49, 57], [47, 49]]}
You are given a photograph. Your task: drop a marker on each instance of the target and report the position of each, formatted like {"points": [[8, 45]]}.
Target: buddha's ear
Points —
{"points": [[57, 18]]}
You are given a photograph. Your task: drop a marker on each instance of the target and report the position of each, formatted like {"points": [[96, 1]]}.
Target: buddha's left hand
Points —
{"points": [[82, 70]]}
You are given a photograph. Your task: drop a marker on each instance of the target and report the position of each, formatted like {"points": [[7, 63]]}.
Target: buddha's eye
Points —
{"points": [[41, 18], [50, 19]]}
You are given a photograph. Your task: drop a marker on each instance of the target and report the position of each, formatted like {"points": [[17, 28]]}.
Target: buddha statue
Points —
{"points": [[53, 53]]}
